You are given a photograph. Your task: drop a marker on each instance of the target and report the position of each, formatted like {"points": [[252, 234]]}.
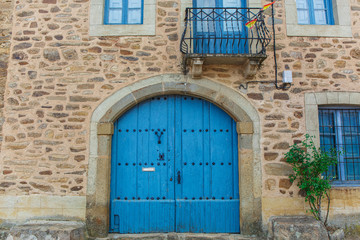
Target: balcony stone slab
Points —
{"points": [[250, 63]]}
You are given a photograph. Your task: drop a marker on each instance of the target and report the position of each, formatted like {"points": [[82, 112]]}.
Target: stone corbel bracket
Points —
{"points": [[197, 67], [250, 68]]}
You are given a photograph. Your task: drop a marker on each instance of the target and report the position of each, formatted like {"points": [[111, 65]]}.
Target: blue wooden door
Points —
{"points": [[174, 168]]}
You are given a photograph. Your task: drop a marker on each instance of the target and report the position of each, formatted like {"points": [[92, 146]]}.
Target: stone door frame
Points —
{"points": [[231, 101]]}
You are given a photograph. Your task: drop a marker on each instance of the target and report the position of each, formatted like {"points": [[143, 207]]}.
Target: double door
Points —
{"points": [[174, 168]]}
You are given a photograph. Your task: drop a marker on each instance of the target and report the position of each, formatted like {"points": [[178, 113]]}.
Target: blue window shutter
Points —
{"points": [[118, 12], [317, 12], [303, 11], [134, 13]]}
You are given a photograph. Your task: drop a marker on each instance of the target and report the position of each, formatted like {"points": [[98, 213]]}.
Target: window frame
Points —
{"points": [[312, 102], [99, 28], [340, 29], [125, 13], [338, 134]]}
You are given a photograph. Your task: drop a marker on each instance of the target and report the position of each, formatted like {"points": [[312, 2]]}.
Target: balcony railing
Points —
{"points": [[222, 31]]}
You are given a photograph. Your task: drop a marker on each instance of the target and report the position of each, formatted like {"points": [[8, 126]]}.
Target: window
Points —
{"points": [[219, 26], [123, 12], [315, 12], [340, 129], [318, 18], [122, 18]]}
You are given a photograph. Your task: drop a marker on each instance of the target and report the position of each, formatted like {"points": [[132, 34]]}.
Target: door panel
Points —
{"points": [[142, 195], [174, 168], [206, 162]]}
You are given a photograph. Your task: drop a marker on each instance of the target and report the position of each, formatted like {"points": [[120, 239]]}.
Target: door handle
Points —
{"points": [[178, 177], [159, 134]]}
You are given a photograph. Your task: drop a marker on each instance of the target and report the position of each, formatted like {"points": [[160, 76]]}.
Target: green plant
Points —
{"points": [[310, 164]]}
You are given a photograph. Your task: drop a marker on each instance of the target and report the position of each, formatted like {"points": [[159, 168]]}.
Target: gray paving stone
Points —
{"points": [[48, 230]]}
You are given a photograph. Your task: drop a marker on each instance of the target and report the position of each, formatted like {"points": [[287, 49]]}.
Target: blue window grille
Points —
{"points": [[123, 12], [318, 12], [340, 129]]}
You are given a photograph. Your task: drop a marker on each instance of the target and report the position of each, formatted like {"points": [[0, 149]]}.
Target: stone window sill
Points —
{"points": [[318, 30]]}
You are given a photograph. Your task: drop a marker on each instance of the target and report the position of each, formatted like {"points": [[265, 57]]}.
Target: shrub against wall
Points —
{"points": [[310, 164]]}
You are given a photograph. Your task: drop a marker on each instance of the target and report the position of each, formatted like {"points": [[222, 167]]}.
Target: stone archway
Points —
{"points": [[101, 130]]}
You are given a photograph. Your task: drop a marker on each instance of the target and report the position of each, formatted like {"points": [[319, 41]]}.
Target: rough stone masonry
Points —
{"points": [[53, 75]]}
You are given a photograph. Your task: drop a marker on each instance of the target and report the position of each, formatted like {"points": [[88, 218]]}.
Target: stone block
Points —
{"points": [[310, 98], [278, 169], [282, 205], [71, 202], [105, 129], [245, 128], [104, 145], [7, 202], [245, 141], [74, 213], [337, 235], [201, 91], [28, 202], [148, 91], [197, 69], [354, 98], [176, 87], [8, 213], [97, 220], [4, 229], [344, 97], [61, 230], [296, 227], [115, 107]]}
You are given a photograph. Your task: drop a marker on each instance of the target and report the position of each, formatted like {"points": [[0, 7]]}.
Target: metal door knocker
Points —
{"points": [[159, 134], [161, 156]]}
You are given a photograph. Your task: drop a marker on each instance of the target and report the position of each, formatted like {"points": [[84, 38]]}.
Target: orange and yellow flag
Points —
{"points": [[267, 5], [251, 23]]}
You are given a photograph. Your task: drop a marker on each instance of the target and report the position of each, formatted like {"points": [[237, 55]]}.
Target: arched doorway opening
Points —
{"points": [[174, 168], [229, 100]]}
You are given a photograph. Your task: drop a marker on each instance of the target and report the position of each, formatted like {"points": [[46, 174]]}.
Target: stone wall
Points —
{"points": [[58, 75], [5, 36]]}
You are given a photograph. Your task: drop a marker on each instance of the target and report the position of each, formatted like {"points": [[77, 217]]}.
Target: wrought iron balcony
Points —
{"points": [[219, 35]]}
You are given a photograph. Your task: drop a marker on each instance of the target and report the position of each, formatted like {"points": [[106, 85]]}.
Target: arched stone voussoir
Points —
{"points": [[228, 99]]}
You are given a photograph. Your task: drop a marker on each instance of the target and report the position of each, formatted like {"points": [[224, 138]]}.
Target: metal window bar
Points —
{"points": [[214, 30], [340, 129]]}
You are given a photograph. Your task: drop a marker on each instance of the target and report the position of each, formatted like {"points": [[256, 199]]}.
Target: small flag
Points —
{"points": [[251, 23], [267, 5]]}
